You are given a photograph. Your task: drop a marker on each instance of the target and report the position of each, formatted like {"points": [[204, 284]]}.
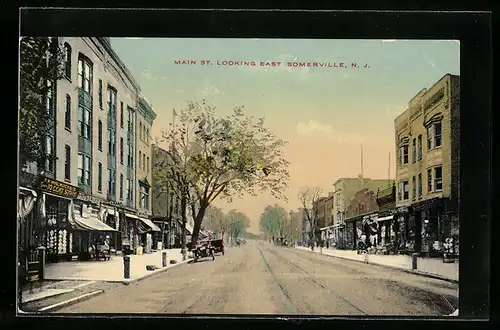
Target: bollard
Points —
{"points": [[414, 257], [126, 267], [164, 259]]}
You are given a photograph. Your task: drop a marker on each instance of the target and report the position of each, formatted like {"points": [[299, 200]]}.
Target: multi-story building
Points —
{"points": [[145, 118], [427, 142], [344, 190], [94, 109]]}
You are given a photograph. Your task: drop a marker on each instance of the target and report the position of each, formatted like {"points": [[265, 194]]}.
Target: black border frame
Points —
{"points": [[473, 29]]}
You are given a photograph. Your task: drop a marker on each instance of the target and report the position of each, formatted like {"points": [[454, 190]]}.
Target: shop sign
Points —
{"points": [[90, 199], [57, 188], [143, 215]]}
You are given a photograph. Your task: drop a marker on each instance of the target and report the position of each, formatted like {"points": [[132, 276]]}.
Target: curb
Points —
{"points": [[414, 272], [158, 271], [71, 301], [47, 297]]}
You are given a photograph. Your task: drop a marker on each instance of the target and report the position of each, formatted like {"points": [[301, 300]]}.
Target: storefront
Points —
{"points": [[54, 209]]}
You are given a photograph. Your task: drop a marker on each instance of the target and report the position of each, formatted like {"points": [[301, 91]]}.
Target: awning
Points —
{"points": [[90, 223], [146, 225], [389, 217]]}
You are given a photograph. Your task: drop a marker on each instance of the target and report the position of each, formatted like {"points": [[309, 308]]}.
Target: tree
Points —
{"points": [[308, 197], [216, 221], [224, 157], [238, 223], [41, 65], [276, 222]]}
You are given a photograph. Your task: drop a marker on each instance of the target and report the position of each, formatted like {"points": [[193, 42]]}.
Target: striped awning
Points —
{"points": [[89, 223], [145, 225]]}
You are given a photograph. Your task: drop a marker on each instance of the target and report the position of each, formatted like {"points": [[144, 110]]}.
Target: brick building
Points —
{"points": [[427, 171]]}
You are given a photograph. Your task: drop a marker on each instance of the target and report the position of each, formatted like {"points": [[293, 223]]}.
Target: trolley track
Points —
{"points": [[308, 275]]}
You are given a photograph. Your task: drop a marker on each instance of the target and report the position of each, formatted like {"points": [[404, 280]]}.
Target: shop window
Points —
{"points": [[414, 151], [419, 185], [67, 113], [67, 163], [99, 177], [429, 180], [85, 74], [419, 144], [438, 178], [414, 188]]}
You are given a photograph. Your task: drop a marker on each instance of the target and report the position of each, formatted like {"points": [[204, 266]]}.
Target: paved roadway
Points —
{"points": [[259, 278]]}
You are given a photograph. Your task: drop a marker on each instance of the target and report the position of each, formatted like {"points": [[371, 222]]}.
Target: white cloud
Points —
{"points": [[314, 128], [388, 40]]}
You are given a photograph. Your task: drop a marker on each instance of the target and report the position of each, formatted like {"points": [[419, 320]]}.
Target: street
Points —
{"points": [[259, 278]]}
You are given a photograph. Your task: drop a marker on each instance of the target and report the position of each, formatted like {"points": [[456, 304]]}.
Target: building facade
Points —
{"points": [[428, 177], [86, 194], [344, 190]]}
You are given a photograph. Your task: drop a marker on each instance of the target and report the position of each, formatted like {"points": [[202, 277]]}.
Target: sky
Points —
{"points": [[324, 113]]}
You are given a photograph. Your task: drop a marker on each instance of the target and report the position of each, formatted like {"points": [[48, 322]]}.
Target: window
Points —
{"points": [[121, 150], [414, 151], [404, 155], [414, 188], [438, 178], [111, 142], [429, 180], [84, 122], [437, 135], [400, 191], [84, 169], [67, 162], [144, 198], [112, 107], [430, 137], [100, 93], [129, 190], [140, 130], [147, 135], [147, 165], [85, 75], [99, 135], [121, 114], [99, 177], [49, 100], [67, 113], [129, 120], [67, 66], [49, 152], [143, 162], [111, 181], [419, 185], [406, 190], [121, 186], [419, 147], [140, 159], [130, 156]]}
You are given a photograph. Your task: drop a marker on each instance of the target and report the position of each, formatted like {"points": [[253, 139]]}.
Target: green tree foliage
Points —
{"points": [[41, 65], [224, 157], [238, 224], [276, 222]]}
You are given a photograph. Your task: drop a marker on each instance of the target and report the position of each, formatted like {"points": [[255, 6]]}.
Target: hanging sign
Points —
{"points": [[57, 188]]}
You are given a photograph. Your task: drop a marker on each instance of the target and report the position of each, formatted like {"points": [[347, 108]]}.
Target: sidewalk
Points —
{"points": [[425, 266], [111, 270]]}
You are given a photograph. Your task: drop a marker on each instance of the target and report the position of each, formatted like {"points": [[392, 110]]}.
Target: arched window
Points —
{"points": [[67, 53]]}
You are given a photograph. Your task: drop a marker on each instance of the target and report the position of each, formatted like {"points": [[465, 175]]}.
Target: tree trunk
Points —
{"points": [[184, 222], [197, 224]]}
